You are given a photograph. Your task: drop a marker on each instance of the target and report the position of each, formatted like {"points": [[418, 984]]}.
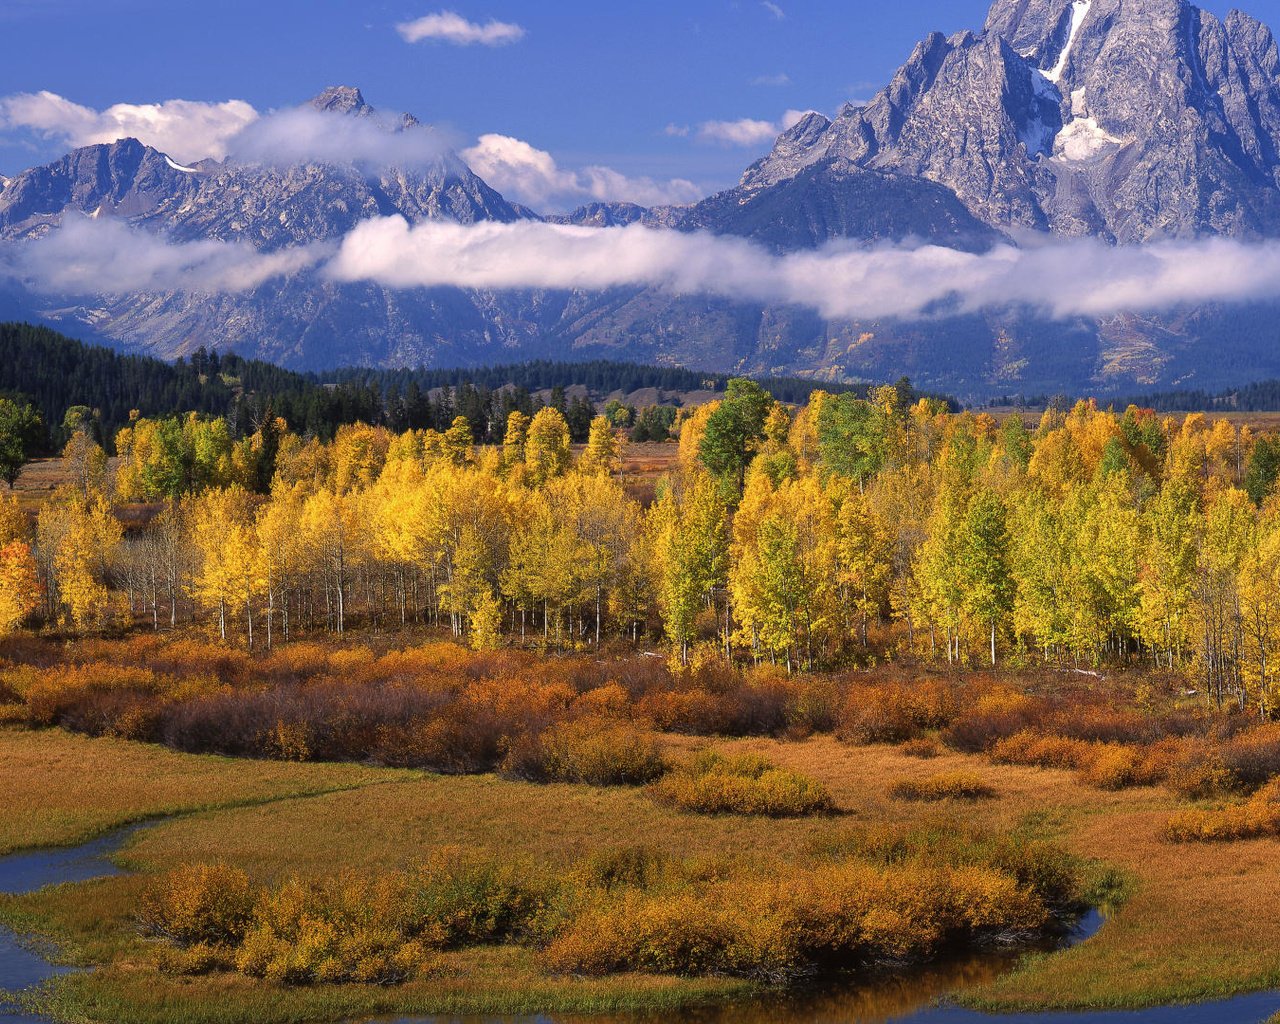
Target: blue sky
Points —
{"points": [[589, 82]]}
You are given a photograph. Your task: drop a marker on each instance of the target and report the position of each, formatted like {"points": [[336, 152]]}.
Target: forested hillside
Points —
{"points": [[56, 373]]}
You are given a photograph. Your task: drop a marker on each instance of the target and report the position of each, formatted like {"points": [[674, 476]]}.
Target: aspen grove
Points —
{"points": [[810, 537]]}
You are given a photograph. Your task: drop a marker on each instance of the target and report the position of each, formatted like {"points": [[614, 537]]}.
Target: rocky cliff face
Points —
{"points": [[1126, 119]]}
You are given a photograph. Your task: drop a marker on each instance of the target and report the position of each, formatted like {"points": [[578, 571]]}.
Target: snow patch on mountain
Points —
{"points": [[1079, 11], [1082, 139]]}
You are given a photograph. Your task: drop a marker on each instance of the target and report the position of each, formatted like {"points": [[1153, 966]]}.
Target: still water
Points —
{"points": [[914, 997]]}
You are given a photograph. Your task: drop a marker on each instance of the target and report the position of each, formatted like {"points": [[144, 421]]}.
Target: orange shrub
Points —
{"points": [[209, 904], [1257, 817], [1030, 748], [608, 701], [957, 785], [1199, 773], [597, 751], [741, 784], [896, 712], [777, 929], [996, 714]]}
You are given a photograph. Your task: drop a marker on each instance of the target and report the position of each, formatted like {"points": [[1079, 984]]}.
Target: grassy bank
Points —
{"points": [[60, 789]]}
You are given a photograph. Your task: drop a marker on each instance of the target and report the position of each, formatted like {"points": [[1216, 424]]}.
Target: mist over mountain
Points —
{"points": [[1131, 122]]}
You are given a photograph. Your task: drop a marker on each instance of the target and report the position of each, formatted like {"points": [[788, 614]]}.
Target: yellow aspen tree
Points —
{"points": [[15, 524], [85, 463], [230, 574], [80, 536], [328, 526], [1041, 561], [1222, 543], [691, 550], [358, 454], [546, 447], [513, 442], [1259, 589], [1166, 573], [603, 454], [281, 554], [903, 499], [20, 589], [459, 441], [864, 558]]}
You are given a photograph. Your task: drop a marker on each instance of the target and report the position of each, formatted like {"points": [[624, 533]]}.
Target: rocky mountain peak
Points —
{"points": [[1126, 119], [342, 99]]}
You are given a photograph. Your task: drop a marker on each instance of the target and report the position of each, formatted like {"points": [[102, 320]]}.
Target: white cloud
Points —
{"points": [[1058, 278], [532, 176], [92, 257], [780, 79], [303, 135], [747, 131], [1062, 278], [449, 27], [773, 9], [678, 131], [187, 130]]}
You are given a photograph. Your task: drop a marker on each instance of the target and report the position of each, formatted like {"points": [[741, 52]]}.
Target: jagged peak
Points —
{"points": [[342, 99], [810, 123]]}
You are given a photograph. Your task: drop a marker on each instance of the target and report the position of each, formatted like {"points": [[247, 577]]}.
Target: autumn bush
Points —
{"points": [[925, 747], [712, 783], [347, 928], [1028, 747], [957, 785], [1257, 817], [330, 931], [989, 716], [597, 751], [1252, 757], [1042, 867], [636, 866], [782, 927], [199, 905], [896, 712]]}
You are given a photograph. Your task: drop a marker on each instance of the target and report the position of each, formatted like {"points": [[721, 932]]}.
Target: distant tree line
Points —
{"points": [[55, 374]]}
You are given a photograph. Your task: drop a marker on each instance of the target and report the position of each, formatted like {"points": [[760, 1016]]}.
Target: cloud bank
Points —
{"points": [[449, 27], [187, 130], [106, 257], [1059, 278], [1078, 277], [531, 176]]}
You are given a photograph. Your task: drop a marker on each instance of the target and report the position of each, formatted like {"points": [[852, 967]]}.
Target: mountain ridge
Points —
{"points": [[1127, 121]]}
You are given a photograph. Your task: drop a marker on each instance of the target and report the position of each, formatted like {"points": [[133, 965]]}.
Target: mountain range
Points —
{"points": [[1126, 121]]}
